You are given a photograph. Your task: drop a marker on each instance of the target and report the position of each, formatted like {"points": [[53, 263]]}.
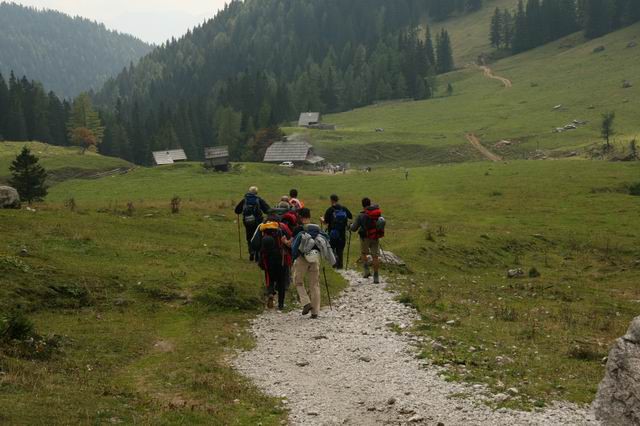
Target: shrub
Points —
{"points": [[15, 326], [534, 273], [635, 189]]}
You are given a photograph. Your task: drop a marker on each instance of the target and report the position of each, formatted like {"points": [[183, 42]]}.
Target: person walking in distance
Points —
{"points": [[310, 245], [295, 203], [336, 219], [252, 209], [370, 227]]}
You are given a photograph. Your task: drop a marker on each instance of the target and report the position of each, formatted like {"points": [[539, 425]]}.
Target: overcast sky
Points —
{"points": [[153, 21]]}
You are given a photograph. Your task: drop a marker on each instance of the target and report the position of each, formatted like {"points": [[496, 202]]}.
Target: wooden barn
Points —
{"points": [[217, 158], [171, 156], [299, 152], [308, 119]]}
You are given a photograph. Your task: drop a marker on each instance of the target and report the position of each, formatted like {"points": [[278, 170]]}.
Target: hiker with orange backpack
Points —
{"points": [[370, 225], [274, 258]]}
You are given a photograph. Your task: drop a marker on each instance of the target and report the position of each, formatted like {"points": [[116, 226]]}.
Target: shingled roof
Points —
{"points": [[216, 152], [308, 118], [169, 157], [296, 151]]}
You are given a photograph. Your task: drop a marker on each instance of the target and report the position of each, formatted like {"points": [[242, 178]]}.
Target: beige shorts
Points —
{"points": [[370, 247]]}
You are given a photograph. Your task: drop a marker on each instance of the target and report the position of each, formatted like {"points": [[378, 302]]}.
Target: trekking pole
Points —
{"points": [[348, 249], [239, 238], [324, 272]]}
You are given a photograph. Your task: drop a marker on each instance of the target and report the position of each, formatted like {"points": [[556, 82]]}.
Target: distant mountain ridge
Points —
{"points": [[68, 55]]}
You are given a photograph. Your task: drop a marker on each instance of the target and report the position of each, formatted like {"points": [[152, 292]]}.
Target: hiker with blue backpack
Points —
{"points": [[336, 219], [252, 208], [370, 226], [309, 247]]}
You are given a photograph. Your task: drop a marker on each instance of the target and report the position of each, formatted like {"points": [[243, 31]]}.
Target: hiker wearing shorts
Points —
{"points": [[336, 220], [252, 209], [310, 245], [370, 227]]}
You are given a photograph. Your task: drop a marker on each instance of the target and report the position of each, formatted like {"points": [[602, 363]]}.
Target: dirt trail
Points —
{"points": [[489, 74], [473, 140], [349, 367]]}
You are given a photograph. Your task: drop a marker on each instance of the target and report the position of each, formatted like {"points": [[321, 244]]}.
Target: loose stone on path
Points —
{"points": [[349, 367]]}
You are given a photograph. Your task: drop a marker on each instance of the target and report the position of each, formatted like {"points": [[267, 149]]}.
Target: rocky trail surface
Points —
{"points": [[475, 142], [350, 367], [489, 74]]}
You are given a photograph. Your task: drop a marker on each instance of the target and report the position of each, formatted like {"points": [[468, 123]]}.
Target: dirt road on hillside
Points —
{"points": [[489, 74], [351, 368], [473, 140]]}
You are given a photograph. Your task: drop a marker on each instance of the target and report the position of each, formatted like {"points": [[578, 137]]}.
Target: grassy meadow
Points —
{"points": [[149, 305], [62, 162], [566, 72]]}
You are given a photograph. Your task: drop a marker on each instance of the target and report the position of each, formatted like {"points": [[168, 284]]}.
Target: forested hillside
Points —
{"points": [[259, 63], [537, 22], [68, 55]]}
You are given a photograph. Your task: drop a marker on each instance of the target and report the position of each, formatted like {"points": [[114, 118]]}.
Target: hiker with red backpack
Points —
{"points": [[336, 219], [370, 225], [274, 258], [309, 246], [252, 208]]}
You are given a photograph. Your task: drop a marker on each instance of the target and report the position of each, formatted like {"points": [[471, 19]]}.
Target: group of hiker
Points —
{"points": [[289, 247]]}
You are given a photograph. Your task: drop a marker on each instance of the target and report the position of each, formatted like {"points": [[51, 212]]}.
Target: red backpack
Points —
{"points": [[374, 225]]}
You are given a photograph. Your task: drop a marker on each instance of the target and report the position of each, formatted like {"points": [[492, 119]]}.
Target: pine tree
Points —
{"points": [[606, 129], [445, 53], [4, 107], [507, 29], [598, 17], [28, 177], [520, 36], [84, 117], [497, 29]]}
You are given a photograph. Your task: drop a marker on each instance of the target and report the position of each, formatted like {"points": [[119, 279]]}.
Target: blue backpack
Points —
{"points": [[339, 224], [251, 213]]}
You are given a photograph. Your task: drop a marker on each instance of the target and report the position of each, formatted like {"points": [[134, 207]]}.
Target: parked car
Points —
{"points": [[287, 164]]}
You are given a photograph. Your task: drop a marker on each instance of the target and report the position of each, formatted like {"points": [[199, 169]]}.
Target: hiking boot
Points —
{"points": [[270, 303], [367, 272], [306, 309], [376, 278], [314, 316]]}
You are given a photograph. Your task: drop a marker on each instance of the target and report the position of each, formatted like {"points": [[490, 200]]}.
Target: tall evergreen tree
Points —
{"points": [[83, 116], [4, 106], [445, 53], [497, 29], [28, 177]]}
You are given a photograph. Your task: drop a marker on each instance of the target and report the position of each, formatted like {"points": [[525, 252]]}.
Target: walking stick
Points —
{"points": [[324, 272], [348, 250], [239, 238]]}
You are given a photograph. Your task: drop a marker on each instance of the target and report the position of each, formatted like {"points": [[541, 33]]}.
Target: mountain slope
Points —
{"points": [[567, 72], [68, 55]]}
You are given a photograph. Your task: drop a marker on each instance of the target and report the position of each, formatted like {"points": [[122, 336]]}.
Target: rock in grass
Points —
{"points": [[515, 273], [9, 198], [618, 398]]}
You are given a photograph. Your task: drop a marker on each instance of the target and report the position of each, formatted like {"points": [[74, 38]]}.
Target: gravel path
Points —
{"points": [[348, 367]]}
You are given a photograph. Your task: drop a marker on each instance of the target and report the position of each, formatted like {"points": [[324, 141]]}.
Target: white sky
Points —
{"points": [[153, 21]]}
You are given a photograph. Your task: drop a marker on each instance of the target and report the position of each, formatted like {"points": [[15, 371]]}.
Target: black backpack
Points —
{"points": [[251, 211]]}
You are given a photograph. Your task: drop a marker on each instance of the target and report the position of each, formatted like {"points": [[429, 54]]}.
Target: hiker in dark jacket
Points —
{"points": [[370, 227], [336, 219], [252, 209], [274, 258]]}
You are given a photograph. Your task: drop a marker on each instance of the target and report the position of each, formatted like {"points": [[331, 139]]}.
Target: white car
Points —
{"points": [[287, 164]]}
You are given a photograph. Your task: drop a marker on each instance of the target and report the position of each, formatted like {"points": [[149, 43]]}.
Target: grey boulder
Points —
{"points": [[9, 198], [618, 399]]}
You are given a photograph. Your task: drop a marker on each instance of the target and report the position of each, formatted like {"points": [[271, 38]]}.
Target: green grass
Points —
{"points": [[470, 33], [115, 285], [62, 162], [566, 72]]}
